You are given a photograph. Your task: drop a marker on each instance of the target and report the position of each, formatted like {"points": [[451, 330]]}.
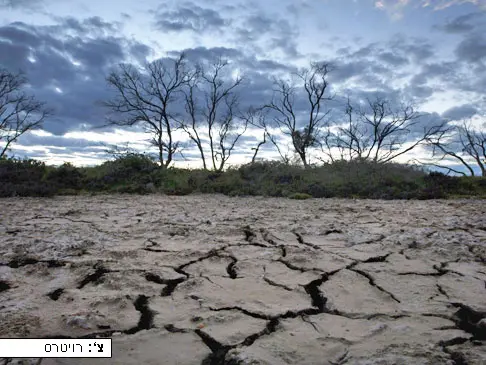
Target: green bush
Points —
{"points": [[299, 196], [132, 188], [23, 178], [130, 166], [173, 181], [65, 176], [139, 174]]}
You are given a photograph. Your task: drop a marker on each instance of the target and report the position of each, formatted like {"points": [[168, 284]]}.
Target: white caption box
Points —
{"points": [[36, 347]]}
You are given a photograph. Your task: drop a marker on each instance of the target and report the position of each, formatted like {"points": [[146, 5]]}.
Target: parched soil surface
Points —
{"points": [[208, 279]]}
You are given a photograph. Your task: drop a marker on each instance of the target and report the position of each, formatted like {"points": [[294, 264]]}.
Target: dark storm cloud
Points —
{"points": [[96, 53], [343, 71], [29, 139], [203, 54], [400, 50], [20, 34], [256, 26], [457, 75], [373, 64], [191, 17], [376, 66], [462, 24], [460, 112], [272, 33], [93, 24], [419, 52], [366, 51], [365, 73], [248, 140], [424, 122], [472, 48], [269, 65], [393, 59], [73, 56], [440, 71], [140, 52], [421, 92], [20, 4]]}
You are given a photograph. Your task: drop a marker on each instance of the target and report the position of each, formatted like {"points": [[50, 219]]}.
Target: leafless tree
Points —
{"points": [[327, 143], [258, 117], [150, 97], [19, 112], [191, 123], [379, 132], [304, 132], [461, 143], [212, 109]]}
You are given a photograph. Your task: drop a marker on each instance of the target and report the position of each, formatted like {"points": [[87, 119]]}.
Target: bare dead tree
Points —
{"points": [[257, 148], [215, 114], [19, 112], [191, 124], [150, 97], [304, 133], [327, 143], [380, 133], [351, 140], [258, 117], [461, 143]]}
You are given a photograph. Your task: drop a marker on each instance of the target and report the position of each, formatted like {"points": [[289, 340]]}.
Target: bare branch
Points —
{"points": [[211, 105], [380, 132], [147, 97], [462, 143], [19, 112], [284, 109]]}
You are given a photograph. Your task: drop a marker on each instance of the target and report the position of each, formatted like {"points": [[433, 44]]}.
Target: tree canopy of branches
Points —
{"points": [[461, 143], [303, 131], [378, 132], [150, 97], [19, 112], [258, 117], [212, 112]]}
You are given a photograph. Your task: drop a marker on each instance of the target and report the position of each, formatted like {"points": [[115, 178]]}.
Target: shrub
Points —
{"points": [[129, 167], [65, 176], [299, 196], [23, 178], [139, 174]]}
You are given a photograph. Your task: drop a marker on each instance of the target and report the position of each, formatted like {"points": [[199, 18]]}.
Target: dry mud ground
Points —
{"points": [[208, 279]]}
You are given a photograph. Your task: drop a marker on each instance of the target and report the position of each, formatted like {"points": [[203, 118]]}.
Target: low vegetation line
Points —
{"points": [[139, 174]]}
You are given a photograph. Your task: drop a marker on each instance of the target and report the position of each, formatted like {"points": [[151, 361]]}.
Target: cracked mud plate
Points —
{"points": [[216, 280]]}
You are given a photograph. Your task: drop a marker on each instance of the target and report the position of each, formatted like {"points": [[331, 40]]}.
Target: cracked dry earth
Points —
{"points": [[208, 279]]}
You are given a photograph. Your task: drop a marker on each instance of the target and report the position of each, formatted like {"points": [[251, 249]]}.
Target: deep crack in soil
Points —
{"points": [[24, 261], [146, 315], [263, 326], [301, 240], [249, 234], [230, 269], [219, 351], [4, 286], [468, 320], [456, 357], [55, 294], [373, 283], [170, 287], [93, 278], [318, 299], [170, 284]]}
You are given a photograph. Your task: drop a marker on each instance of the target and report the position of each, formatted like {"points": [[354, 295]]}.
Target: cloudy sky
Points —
{"points": [[431, 52]]}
